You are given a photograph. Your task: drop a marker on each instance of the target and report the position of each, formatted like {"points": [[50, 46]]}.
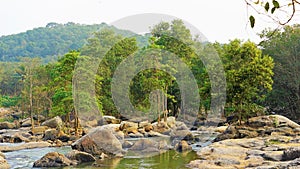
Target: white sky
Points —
{"points": [[218, 20]]}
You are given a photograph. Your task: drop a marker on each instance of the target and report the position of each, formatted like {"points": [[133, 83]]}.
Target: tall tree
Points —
{"points": [[248, 76], [284, 48]]}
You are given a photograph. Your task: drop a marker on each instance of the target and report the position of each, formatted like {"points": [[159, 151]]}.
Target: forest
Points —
{"points": [[260, 78]]}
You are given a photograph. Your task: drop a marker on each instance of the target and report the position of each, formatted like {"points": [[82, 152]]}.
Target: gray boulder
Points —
{"points": [[99, 140]]}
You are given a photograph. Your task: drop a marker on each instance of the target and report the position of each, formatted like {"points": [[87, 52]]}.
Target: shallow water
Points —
{"points": [[24, 159]]}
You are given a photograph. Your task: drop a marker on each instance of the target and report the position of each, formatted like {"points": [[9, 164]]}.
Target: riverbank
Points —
{"points": [[264, 142]]}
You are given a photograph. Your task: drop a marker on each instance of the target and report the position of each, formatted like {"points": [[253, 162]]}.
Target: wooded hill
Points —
{"points": [[53, 40]]}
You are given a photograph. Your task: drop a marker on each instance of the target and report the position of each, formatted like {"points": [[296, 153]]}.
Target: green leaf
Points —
{"points": [[267, 6], [276, 4], [252, 21], [273, 10]]}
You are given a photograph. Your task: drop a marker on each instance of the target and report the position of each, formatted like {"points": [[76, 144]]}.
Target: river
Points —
{"points": [[24, 159]]}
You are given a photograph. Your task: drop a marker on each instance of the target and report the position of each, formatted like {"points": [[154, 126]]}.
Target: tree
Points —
{"points": [[28, 66], [284, 48], [248, 76]]}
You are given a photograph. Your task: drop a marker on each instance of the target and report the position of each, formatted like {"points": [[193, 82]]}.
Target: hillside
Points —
{"points": [[52, 40]]}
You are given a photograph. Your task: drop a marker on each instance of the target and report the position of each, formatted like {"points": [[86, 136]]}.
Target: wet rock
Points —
{"points": [[53, 123], [99, 140], [53, 159], [80, 157]]}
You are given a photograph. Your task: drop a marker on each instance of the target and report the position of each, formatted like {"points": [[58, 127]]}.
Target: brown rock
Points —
{"points": [[7, 125], [53, 159], [183, 146], [80, 157], [53, 123]]}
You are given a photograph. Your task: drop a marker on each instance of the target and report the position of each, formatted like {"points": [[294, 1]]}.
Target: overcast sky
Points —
{"points": [[218, 20]]}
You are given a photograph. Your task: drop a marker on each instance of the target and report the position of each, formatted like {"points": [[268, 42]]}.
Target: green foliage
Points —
{"points": [[7, 101], [284, 48], [52, 41], [248, 76]]}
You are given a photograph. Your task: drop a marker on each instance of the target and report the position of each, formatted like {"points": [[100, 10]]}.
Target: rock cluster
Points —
{"points": [[264, 142]]}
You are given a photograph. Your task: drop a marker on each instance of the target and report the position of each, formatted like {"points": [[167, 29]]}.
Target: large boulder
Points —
{"points": [[80, 157], [99, 140], [7, 125], [53, 123], [53, 159]]}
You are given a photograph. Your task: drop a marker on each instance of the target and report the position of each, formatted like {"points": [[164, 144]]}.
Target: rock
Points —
{"points": [[111, 120], [182, 135], [182, 146], [130, 130], [154, 134], [53, 123], [273, 155], [53, 159], [64, 137], [26, 122], [127, 144], [58, 143], [221, 129], [115, 129], [149, 146], [181, 126], [3, 163], [50, 134], [136, 135], [7, 125], [126, 124], [18, 138], [80, 157], [40, 130], [291, 153], [29, 145], [283, 120], [171, 121], [99, 140], [161, 127]]}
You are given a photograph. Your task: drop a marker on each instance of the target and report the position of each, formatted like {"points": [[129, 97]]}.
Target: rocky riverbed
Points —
{"points": [[268, 142]]}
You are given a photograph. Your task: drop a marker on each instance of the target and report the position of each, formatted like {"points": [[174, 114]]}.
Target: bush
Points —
{"points": [[9, 101]]}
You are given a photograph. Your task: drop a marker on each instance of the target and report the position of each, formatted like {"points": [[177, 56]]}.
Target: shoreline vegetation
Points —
{"points": [[258, 126]]}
